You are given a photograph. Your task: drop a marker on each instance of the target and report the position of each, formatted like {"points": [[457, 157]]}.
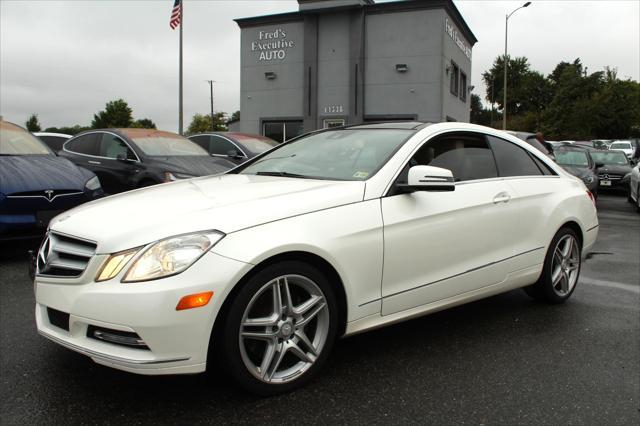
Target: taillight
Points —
{"points": [[593, 199]]}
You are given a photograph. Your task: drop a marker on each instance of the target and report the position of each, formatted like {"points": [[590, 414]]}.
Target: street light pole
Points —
{"points": [[211, 88], [506, 61]]}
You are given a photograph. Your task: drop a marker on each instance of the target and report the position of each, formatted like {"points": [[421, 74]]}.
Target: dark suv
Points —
{"points": [[125, 159]]}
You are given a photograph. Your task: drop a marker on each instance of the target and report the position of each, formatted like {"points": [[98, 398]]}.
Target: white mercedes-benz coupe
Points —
{"points": [[334, 233]]}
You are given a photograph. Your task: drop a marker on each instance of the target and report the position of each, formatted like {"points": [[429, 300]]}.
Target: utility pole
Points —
{"points": [[211, 89], [506, 61]]}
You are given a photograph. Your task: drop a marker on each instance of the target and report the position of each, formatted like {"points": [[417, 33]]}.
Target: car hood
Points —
{"points": [[26, 173], [581, 172], [226, 203], [615, 169], [194, 165]]}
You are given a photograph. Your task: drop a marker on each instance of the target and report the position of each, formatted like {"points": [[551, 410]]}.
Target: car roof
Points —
{"points": [[400, 125], [10, 126], [62, 135]]}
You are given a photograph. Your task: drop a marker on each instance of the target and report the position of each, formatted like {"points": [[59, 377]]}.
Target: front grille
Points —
{"points": [[64, 256], [58, 318], [607, 176]]}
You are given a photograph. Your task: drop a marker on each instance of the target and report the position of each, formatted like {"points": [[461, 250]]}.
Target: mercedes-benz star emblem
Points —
{"points": [[43, 255], [605, 176], [49, 194]]}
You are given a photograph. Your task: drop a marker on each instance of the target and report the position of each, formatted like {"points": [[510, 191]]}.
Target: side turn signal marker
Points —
{"points": [[194, 300]]}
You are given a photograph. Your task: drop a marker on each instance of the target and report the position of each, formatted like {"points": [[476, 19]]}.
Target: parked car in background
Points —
{"points": [[634, 186], [234, 146], [530, 138], [613, 171], [260, 270], [624, 146], [53, 140], [577, 161], [125, 159], [36, 185], [601, 143]]}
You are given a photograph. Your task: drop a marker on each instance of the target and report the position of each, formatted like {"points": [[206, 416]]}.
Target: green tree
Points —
{"points": [[518, 71], [32, 123], [479, 114], [116, 114], [235, 116], [202, 123], [144, 123]]}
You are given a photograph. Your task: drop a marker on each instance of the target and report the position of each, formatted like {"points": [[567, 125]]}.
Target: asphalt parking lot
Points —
{"points": [[502, 360]]}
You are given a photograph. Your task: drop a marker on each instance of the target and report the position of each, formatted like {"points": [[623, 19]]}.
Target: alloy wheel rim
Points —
{"points": [[284, 329], [565, 266]]}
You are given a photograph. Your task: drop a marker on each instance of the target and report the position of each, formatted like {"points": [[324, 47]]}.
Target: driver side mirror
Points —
{"points": [[123, 158], [232, 153], [428, 178]]}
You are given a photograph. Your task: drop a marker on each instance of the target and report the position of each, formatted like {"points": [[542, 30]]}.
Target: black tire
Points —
{"points": [[543, 289], [230, 342], [638, 199]]}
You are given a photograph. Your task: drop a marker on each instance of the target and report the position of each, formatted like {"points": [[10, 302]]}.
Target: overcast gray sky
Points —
{"points": [[65, 59]]}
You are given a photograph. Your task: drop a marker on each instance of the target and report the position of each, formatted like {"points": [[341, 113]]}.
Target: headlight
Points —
{"points": [[114, 264], [173, 176], [171, 256], [588, 179], [93, 184]]}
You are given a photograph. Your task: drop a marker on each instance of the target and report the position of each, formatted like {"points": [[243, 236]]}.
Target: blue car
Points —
{"points": [[36, 185]]}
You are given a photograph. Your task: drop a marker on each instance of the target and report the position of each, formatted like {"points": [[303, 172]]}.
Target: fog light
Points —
{"points": [[194, 301]]}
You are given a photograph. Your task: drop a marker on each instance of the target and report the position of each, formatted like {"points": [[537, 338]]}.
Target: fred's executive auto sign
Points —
{"points": [[272, 45]]}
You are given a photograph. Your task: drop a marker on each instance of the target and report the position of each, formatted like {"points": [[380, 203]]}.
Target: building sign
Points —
{"points": [[272, 45], [459, 41]]}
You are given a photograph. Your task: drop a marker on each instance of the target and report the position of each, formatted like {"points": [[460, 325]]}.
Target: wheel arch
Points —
{"points": [[574, 226], [303, 256]]}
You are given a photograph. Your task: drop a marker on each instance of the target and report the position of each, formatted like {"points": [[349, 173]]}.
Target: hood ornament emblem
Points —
{"points": [[49, 194]]}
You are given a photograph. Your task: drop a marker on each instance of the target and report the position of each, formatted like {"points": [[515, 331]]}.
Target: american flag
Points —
{"points": [[176, 15]]}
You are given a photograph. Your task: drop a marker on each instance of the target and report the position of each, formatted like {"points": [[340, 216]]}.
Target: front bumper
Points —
{"points": [[176, 341]]}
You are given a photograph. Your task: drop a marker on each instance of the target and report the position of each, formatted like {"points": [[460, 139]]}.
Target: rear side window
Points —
{"points": [[512, 160], [467, 156], [85, 144]]}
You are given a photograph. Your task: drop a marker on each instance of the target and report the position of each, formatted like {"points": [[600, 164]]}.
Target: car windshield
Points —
{"points": [[609, 157], [256, 145], [346, 154], [16, 141], [572, 158], [620, 145], [168, 146]]}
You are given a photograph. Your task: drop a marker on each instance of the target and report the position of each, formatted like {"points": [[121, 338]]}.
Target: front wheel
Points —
{"points": [[280, 328], [561, 269]]}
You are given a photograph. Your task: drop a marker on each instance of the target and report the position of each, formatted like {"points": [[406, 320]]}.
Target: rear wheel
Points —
{"points": [[561, 269], [280, 328]]}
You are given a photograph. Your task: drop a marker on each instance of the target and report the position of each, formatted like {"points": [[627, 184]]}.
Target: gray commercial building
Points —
{"points": [[337, 62]]}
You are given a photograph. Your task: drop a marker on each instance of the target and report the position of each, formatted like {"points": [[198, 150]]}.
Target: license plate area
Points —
{"points": [[605, 183]]}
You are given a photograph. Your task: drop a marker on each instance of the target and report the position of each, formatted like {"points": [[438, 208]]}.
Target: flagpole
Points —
{"points": [[180, 116]]}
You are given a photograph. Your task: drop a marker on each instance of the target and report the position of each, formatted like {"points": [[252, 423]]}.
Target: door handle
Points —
{"points": [[502, 197], [94, 162]]}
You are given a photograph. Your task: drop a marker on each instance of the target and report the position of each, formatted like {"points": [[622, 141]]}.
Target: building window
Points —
{"points": [[463, 87], [333, 122], [454, 75], [281, 131]]}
